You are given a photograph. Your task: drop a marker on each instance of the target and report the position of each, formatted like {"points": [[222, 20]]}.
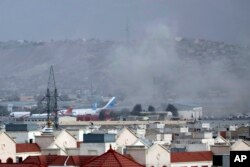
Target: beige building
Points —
{"points": [[7, 148], [219, 140], [56, 143], [241, 145], [125, 138], [155, 155]]}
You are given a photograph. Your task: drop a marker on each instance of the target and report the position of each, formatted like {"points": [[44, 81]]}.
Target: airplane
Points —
{"points": [[20, 114], [39, 115], [92, 111]]}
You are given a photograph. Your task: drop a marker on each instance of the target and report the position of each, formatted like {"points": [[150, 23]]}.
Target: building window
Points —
{"points": [[217, 160], [9, 161], [31, 140], [19, 159]]}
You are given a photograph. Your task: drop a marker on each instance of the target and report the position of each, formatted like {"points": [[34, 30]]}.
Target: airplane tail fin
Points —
{"points": [[94, 106], [69, 111], [110, 103]]}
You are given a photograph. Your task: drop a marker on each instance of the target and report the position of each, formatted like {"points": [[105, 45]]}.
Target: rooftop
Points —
{"points": [[27, 147], [191, 156], [112, 159]]}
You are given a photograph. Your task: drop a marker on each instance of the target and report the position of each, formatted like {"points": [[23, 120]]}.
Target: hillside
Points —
{"points": [[163, 69]]}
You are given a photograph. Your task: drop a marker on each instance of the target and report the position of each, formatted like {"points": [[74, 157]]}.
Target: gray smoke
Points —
{"points": [[157, 70], [160, 68]]}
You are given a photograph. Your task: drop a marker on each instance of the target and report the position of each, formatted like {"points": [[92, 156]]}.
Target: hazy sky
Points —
{"points": [[224, 20]]}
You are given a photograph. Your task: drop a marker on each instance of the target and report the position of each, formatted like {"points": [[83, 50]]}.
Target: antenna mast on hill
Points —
{"points": [[51, 99]]}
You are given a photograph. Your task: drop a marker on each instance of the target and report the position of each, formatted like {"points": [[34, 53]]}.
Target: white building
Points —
{"points": [[56, 143], [155, 155], [125, 138], [97, 144], [195, 113]]}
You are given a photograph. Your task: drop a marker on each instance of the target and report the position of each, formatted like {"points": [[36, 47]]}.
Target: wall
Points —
{"points": [[197, 147], [125, 138], [56, 151], [73, 151], [239, 145], [141, 133], [220, 150], [138, 153], [23, 136], [7, 148], [65, 140], [77, 133], [203, 135], [26, 154], [156, 155], [44, 141], [190, 164], [19, 137], [95, 148]]}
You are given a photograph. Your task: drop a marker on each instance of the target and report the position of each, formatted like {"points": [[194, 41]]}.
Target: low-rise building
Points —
{"points": [[125, 138], [7, 148], [154, 155], [97, 144], [240, 145], [23, 150], [56, 143], [192, 159], [23, 133]]}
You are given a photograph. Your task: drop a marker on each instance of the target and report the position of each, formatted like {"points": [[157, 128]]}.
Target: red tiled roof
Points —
{"points": [[27, 147], [112, 159], [72, 160], [19, 165], [191, 156], [58, 160], [40, 160], [109, 159]]}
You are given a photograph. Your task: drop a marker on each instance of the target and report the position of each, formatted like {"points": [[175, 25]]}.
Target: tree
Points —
{"points": [[151, 108], [173, 110], [136, 110]]}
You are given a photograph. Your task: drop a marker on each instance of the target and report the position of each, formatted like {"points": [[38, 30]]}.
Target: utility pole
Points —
{"points": [[51, 99]]}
